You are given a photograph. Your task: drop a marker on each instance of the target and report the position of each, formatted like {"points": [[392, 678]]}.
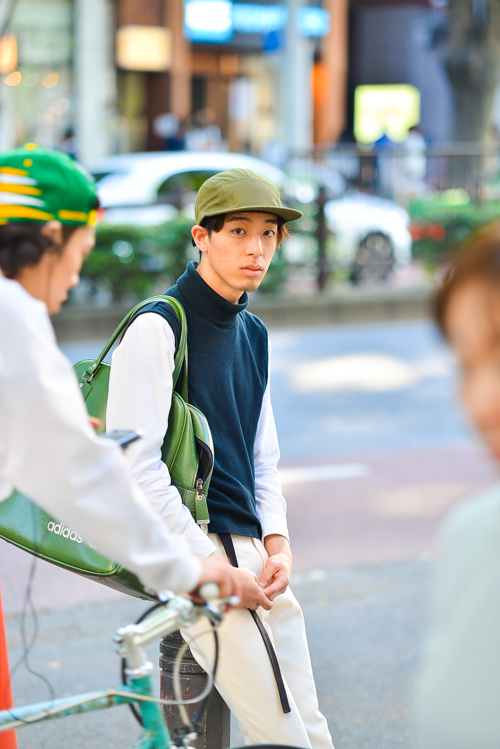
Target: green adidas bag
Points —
{"points": [[27, 526], [187, 450]]}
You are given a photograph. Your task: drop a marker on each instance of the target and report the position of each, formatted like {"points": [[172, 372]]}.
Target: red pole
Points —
{"points": [[8, 739]]}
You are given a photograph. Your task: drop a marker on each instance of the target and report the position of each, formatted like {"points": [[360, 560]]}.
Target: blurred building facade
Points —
{"points": [[102, 76], [397, 41], [59, 88], [37, 82], [246, 85]]}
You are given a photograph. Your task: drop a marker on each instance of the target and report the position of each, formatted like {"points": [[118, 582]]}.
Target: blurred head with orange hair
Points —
{"points": [[467, 310]]}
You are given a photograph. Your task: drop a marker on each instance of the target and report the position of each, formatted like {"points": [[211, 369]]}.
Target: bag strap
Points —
{"points": [[180, 359], [227, 543]]}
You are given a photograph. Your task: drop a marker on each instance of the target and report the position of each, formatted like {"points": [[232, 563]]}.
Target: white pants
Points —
{"points": [[245, 677]]}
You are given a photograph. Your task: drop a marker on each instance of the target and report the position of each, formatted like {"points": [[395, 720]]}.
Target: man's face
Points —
{"points": [[236, 258], [473, 327], [65, 269]]}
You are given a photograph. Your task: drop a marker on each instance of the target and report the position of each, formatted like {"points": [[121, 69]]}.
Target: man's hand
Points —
{"points": [[235, 581], [252, 596], [278, 568], [217, 570]]}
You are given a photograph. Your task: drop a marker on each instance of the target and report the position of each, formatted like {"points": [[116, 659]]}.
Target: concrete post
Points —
{"points": [[215, 733], [95, 78], [297, 100]]}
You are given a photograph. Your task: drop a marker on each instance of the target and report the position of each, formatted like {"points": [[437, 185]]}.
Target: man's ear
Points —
{"points": [[52, 230], [200, 237]]}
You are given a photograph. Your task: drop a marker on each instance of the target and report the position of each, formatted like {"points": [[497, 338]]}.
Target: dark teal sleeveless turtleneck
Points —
{"points": [[227, 377]]}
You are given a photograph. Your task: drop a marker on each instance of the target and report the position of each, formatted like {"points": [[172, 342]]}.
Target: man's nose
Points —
{"points": [[255, 246]]}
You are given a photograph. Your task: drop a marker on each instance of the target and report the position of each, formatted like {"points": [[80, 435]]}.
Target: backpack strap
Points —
{"points": [[180, 359]]}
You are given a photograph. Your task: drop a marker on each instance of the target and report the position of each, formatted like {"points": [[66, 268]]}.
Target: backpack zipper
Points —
{"points": [[199, 496]]}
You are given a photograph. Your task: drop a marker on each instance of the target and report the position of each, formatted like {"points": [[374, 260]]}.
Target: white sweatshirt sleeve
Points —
{"points": [[49, 451], [271, 504], [140, 394]]}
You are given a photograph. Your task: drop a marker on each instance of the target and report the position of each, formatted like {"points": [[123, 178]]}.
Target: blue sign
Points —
{"points": [[208, 20], [250, 18], [312, 21], [273, 41], [217, 20]]}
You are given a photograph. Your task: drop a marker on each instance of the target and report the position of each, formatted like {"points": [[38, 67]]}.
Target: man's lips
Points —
{"points": [[252, 270]]}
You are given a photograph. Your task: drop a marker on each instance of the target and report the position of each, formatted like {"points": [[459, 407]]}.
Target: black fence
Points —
{"points": [[400, 172], [446, 191]]}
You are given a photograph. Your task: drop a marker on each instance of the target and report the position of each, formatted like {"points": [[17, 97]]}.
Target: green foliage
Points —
{"points": [[438, 227], [135, 261], [277, 274]]}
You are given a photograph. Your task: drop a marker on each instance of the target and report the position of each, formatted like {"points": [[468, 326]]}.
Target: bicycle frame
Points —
{"points": [[130, 640], [154, 736]]}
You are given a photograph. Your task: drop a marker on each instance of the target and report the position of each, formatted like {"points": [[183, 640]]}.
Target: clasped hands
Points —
{"points": [[274, 580], [251, 590]]}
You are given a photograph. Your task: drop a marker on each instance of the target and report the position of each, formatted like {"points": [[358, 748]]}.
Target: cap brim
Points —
{"points": [[289, 214]]}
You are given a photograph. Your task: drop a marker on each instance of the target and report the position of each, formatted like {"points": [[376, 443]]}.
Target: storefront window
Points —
{"points": [[41, 104]]}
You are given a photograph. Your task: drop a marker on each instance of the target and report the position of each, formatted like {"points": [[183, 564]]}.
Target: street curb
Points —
{"points": [[339, 308], [345, 307]]}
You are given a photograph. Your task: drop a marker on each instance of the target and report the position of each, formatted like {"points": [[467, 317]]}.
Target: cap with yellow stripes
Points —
{"points": [[41, 185]]}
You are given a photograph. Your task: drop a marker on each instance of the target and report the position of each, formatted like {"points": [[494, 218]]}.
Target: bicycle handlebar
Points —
{"points": [[209, 591], [177, 612]]}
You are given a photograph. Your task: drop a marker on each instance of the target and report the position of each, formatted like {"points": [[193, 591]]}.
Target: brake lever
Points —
{"points": [[216, 609]]}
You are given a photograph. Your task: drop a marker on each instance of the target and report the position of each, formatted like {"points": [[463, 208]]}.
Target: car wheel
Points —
{"points": [[374, 259]]}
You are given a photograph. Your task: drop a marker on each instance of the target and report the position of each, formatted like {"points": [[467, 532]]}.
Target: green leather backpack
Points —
{"points": [[187, 449]]}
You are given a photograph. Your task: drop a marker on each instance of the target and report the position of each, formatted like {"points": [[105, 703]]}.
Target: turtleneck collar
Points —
{"points": [[202, 298]]}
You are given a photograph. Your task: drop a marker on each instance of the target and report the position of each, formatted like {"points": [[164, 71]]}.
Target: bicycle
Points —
{"points": [[137, 690]]}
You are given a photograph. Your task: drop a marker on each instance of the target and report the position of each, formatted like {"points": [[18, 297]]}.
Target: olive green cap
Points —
{"points": [[40, 185], [240, 190]]}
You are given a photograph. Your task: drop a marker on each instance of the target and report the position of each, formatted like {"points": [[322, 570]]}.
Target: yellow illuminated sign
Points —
{"points": [[385, 110], [146, 48]]}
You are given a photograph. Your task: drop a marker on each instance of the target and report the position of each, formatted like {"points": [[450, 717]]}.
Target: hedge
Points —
{"points": [[438, 227], [130, 263]]}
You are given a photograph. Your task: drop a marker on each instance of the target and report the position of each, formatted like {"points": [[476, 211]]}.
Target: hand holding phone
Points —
{"points": [[122, 437]]}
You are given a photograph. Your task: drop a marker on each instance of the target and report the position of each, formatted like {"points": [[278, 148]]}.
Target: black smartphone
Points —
{"points": [[122, 437]]}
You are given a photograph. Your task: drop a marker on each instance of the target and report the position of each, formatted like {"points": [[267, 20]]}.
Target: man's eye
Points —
{"points": [[269, 233], [238, 231]]}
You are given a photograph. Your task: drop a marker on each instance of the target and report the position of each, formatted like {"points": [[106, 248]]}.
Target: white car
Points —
{"points": [[145, 189], [372, 235]]}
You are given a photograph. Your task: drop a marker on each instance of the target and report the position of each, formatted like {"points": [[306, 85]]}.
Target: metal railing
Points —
{"points": [[404, 171]]}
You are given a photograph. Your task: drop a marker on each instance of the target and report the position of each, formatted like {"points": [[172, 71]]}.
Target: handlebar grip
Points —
{"points": [[209, 591]]}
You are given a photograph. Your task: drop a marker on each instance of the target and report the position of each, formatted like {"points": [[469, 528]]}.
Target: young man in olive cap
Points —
{"points": [[239, 223], [48, 449]]}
